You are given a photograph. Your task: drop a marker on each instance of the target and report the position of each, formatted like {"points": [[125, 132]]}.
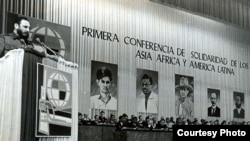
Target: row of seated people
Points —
{"points": [[126, 122], [98, 119], [183, 121], [149, 122]]}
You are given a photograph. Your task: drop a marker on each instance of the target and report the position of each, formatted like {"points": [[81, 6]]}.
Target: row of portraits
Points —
{"points": [[104, 93]]}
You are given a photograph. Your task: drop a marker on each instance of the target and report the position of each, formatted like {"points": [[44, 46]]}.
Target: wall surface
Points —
{"points": [[235, 12], [158, 24], [146, 20]]}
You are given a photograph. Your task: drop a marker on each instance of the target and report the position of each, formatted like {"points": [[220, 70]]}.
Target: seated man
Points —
{"points": [[112, 119], [102, 118], [120, 123], [134, 122], [86, 120], [80, 121], [161, 124], [95, 121], [140, 122]]}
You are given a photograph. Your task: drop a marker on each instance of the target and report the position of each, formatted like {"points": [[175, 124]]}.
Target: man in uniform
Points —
{"points": [[19, 38]]}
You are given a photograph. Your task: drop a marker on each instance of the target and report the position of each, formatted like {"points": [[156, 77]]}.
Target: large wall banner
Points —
{"points": [[103, 89], [54, 103], [147, 100], [213, 109], [184, 93], [196, 64], [239, 111], [170, 62]]}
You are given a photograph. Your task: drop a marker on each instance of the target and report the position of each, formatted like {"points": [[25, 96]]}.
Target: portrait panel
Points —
{"points": [[239, 111], [147, 92], [54, 103], [213, 100], [184, 96], [103, 95]]}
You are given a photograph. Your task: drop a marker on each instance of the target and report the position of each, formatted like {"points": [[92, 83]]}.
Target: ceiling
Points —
{"points": [[234, 12]]}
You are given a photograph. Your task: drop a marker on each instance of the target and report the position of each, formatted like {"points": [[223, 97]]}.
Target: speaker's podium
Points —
{"points": [[36, 96]]}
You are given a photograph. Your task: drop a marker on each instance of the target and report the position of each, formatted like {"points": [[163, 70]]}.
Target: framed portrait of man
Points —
{"points": [[103, 95], [147, 92], [213, 109], [184, 93], [239, 111]]}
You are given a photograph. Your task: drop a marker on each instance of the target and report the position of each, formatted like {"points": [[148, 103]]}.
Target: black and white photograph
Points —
{"points": [[103, 88], [54, 37], [239, 111], [147, 97], [124, 69], [184, 94], [54, 103], [213, 96]]}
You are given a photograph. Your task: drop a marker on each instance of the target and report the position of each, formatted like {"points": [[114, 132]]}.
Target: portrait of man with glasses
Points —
{"points": [[147, 100]]}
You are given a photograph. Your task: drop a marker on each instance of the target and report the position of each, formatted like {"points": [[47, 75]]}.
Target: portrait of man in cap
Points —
{"points": [[184, 106], [102, 98]]}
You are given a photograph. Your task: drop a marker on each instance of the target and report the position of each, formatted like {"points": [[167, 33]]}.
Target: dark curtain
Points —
{"points": [[29, 97]]}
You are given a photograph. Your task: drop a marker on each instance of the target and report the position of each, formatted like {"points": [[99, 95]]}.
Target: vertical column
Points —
{"points": [[2, 15]]}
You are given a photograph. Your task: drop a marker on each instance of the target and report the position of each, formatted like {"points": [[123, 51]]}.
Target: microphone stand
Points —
{"points": [[53, 57], [56, 56]]}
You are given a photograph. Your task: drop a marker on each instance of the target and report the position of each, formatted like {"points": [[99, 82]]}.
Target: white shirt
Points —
{"points": [[238, 110], [97, 103], [152, 105]]}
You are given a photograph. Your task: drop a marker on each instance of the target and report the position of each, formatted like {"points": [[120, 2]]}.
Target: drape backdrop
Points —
{"points": [[18, 101], [149, 21], [145, 20], [11, 95], [159, 24]]}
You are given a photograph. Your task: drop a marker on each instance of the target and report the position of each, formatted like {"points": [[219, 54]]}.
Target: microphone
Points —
{"points": [[46, 47], [39, 41]]}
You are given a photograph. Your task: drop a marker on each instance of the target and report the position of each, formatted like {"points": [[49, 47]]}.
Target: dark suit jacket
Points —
{"points": [[216, 114], [239, 115], [119, 126]]}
